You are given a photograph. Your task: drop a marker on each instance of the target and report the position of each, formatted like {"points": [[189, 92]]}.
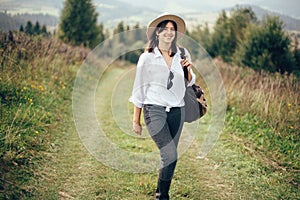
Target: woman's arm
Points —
{"points": [[137, 128], [191, 74]]}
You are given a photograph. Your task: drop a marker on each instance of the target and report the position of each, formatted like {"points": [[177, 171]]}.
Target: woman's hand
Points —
{"points": [[185, 63], [137, 128]]}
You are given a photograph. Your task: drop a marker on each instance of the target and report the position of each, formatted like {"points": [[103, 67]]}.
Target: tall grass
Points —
{"points": [[274, 97], [36, 80], [264, 108]]}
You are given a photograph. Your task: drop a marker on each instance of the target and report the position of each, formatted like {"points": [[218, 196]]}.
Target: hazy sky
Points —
{"points": [[211, 4], [289, 7]]}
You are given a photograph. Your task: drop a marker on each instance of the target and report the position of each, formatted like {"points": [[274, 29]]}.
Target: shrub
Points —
{"points": [[266, 47]]}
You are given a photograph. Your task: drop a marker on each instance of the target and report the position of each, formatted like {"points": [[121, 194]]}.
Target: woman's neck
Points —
{"points": [[164, 48]]}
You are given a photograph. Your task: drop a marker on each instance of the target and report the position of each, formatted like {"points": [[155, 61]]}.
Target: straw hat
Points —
{"points": [[166, 16]]}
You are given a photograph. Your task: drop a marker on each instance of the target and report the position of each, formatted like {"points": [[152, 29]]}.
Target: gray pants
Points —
{"points": [[165, 129]]}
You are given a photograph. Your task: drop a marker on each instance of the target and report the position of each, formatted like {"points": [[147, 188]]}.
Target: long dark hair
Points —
{"points": [[153, 41]]}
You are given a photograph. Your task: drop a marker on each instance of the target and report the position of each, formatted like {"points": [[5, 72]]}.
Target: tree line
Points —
{"points": [[11, 22], [238, 37], [35, 29]]}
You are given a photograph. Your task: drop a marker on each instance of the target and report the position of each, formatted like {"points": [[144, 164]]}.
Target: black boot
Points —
{"points": [[157, 194], [164, 187]]}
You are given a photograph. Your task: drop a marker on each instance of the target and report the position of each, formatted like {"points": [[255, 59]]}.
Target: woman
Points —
{"points": [[159, 89]]}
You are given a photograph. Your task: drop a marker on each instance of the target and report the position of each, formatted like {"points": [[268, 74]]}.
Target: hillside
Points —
{"points": [[111, 12], [43, 157], [291, 24]]}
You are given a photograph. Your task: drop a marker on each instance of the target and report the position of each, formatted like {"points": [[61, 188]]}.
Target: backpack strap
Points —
{"points": [[182, 55]]}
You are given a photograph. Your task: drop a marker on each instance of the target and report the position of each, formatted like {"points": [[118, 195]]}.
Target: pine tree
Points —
{"points": [[37, 28], [120, 29], [29, 28], [21, 28], [78, 23], [229, 30], [44, 30]]}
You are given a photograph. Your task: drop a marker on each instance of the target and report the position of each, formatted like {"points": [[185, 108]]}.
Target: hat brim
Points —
{"points": [[178, 20]]}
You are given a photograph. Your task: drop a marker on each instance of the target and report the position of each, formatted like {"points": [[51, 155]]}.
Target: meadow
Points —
{"points": [[43, 157]]}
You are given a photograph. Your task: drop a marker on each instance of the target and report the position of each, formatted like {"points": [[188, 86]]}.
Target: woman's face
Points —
{"points": [[168, 34]]}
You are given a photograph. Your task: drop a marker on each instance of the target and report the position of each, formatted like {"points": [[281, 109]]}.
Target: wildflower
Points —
{"points": [[291, 127], [36, 132], [41, 88], [289, 105]]}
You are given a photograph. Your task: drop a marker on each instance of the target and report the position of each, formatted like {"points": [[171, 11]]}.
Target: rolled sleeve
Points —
{"points": [[136, 102], [193, 80], [140, 84]]}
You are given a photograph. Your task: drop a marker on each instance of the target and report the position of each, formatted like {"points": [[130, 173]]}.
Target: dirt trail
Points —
{"points": [[228, 172], [75, 174]]}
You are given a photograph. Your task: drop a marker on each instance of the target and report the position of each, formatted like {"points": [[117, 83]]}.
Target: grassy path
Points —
{"points": [[230, 171]]}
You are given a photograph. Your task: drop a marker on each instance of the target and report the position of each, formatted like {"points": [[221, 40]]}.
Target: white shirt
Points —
{"points": [[152, 74]]}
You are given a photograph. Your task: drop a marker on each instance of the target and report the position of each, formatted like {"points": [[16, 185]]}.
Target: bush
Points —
{"points": [[266, 47]]}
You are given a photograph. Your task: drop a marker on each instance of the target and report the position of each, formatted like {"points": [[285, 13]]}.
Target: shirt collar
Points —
{"points": [[157, 52]]}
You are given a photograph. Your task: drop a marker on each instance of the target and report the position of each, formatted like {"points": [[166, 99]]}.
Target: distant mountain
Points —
{"points": [[195, 18], [290, 23], [283, 7], [289, 7], [51, 7], [111, 12]]}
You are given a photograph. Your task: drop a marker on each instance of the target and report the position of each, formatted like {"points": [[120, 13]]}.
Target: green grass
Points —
{"points": [[42, 156], [233, 170], [34, 84]]}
